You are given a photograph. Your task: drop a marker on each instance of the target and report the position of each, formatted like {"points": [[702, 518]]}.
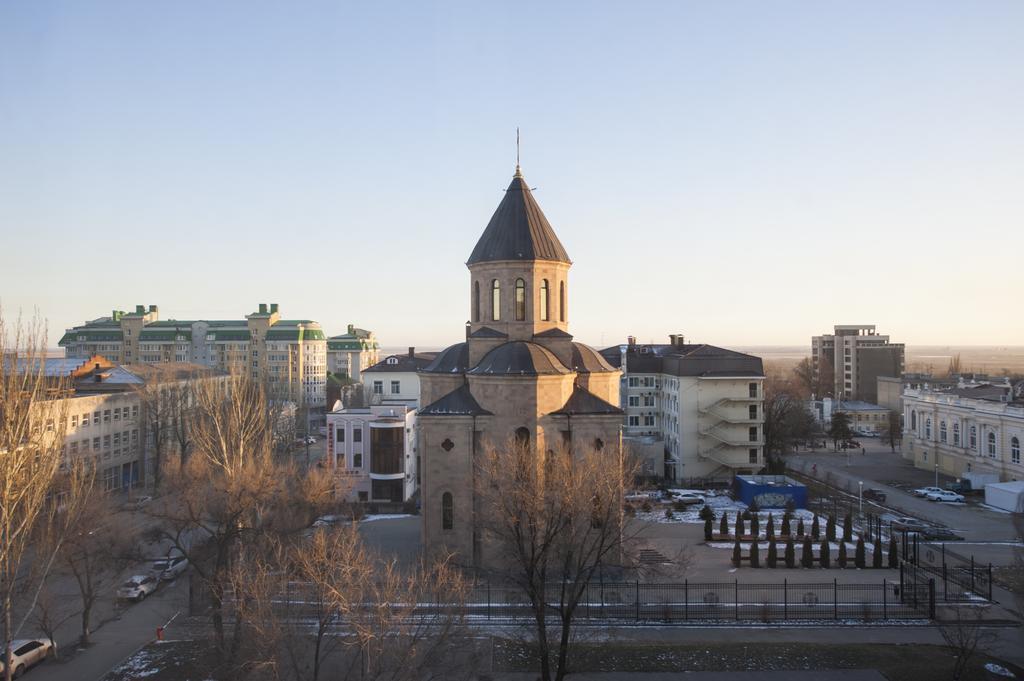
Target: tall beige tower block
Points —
{"points": [[519, 374]]}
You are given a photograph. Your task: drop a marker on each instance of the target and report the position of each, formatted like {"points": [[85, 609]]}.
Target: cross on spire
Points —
{"points": [[519, 173]]}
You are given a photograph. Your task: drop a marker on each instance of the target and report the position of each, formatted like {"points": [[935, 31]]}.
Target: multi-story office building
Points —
{"points": [[856, 356], [702, 405], [970, 428], [290, 354], [351, 352], [373, 450]]}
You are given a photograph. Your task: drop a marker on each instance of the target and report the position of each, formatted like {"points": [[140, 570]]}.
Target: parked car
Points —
{"points": [[688, 499], [137, 587], [906, 524], [170, 567], [946, 496], [875, 495], [925, 491], [939, 534], [28, 653], [310, 440], [641, 496], [326, 520]]}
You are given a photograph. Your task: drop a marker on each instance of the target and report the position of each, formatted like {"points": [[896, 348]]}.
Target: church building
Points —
{"points": [[518, 376]]}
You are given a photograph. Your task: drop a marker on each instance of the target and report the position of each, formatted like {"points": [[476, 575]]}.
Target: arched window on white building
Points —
{"points": [[942, 431], [992, 445], [1015, 450]]}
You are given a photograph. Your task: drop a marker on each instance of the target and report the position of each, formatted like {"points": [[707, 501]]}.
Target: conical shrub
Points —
{"points": [[894, 553], [800, 527], [785, 524], [755, 554], [830, 528], [708, 530], [723, 527], [740, 529], [848, 528], [876, 558], [769, 528], [790, 553], [737, 554], [807, 559], [858, 556], [773, 556], [842, 554], [824, 555], [815, 528]]}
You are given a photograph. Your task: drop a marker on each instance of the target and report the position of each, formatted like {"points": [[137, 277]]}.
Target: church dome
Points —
{"points": [[452, 360], [519, 358], [518, 230], [586, 359]]}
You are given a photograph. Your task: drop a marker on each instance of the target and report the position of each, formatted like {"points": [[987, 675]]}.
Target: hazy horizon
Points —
{"points": [[747, 175]]}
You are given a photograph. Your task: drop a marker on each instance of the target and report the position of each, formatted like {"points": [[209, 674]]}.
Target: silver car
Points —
{"points": [[170, 567], [137, 587]]}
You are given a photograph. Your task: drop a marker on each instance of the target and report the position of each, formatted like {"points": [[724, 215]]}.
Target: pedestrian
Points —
{"points": [[814, 469], [863, 451]]}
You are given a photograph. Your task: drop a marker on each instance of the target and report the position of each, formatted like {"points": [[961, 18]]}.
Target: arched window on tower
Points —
{"points": [[476, 301], [520, 300], [447, 511], [522, 437], [495, 300], [561, 301], [544, 300]]}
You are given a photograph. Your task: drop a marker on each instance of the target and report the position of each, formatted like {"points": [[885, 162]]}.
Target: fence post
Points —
{"points": [[990, 582], [488, 600], [736, 598], [902, 588], [638, 600], [785, 599], [586, 594], [945, 582], [931, 598], [686, 599], [885, 588], [972, 572], [835, 598]]}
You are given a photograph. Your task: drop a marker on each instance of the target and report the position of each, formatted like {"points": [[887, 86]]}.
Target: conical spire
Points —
{"points": [[518, 230]]}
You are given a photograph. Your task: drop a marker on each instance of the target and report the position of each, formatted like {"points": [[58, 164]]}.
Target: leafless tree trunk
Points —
{"points": [[966, 636], [34, 492], [556, 520], [50, 614]]}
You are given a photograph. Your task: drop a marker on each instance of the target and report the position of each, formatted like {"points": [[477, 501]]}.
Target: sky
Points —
{"points": [[744, 173]]}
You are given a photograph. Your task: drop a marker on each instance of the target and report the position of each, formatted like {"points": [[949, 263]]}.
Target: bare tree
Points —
{"points": [[97, 548], [554, 523], [231, 491], [33, 415], [787, 420], [158, 422], [817, 383], [966, 636], [51, 613]]}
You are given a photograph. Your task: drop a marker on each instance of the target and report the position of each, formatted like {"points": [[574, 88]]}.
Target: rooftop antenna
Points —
{"points": [[518, 172]]}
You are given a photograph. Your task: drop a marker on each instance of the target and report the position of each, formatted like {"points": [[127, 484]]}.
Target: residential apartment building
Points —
{"points": [[373, 450], [396, 378], [702, 405], [974, 427], [856, 355], [351, 352], [291, 355]]}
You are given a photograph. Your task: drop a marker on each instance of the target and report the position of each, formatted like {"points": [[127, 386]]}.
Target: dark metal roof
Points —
{"points": [[404, 362], [488, 332], [459, 402], [452, 360], [553, 333], [585, 402], [588, 360], [520, 358], [695, 359], [518, 230]]}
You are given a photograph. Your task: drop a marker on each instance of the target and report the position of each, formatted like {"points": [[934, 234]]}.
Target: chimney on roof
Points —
{"points": [[153, 308], [352, 328], [631, 340], [140, 309], [273, 308], [96, 375], [263, 308], [412, 351], [677, 340]]}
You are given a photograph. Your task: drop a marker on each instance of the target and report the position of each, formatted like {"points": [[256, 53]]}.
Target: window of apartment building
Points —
{"points": [[106, 442], [96, 443], [396, 387], [378, 387], [753, 455], [942, 431], [357, 460], [85, 420], [753, 433], [117, 439], [135, 411], [74, 420], [74, 447], [135, 437], [992, 445], [634, 421], [752, 388], [648, 381], [106, 416], [1015, 450], [648, 400], [339, 433], [972, 437], [634, 382], [753, 412], [956, 434], [928, 429], [117, 413], [634, 400], [649, 420], [357, 435]]}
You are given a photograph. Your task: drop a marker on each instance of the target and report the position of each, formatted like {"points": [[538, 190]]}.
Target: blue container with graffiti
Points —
{"points": [[770, 491]]}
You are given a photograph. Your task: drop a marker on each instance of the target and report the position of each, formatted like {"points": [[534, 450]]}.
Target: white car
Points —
{"points": [[28, 653], [326, 520], [170, 567], [925, 491], [945, 495], [310, 440], [688, 499], [137, 587]]}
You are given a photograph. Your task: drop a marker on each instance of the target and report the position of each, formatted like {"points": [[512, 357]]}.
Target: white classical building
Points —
{"points": [[396, 378], [373, 450], [702, 405], [970, 428]]}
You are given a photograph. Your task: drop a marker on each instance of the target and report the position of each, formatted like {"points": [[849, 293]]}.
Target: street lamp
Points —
{"points": [[936, 473], [860, 498]]}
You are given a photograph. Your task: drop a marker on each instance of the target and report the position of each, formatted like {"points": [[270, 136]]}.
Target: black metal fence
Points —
{"points": [[958, 578]]}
